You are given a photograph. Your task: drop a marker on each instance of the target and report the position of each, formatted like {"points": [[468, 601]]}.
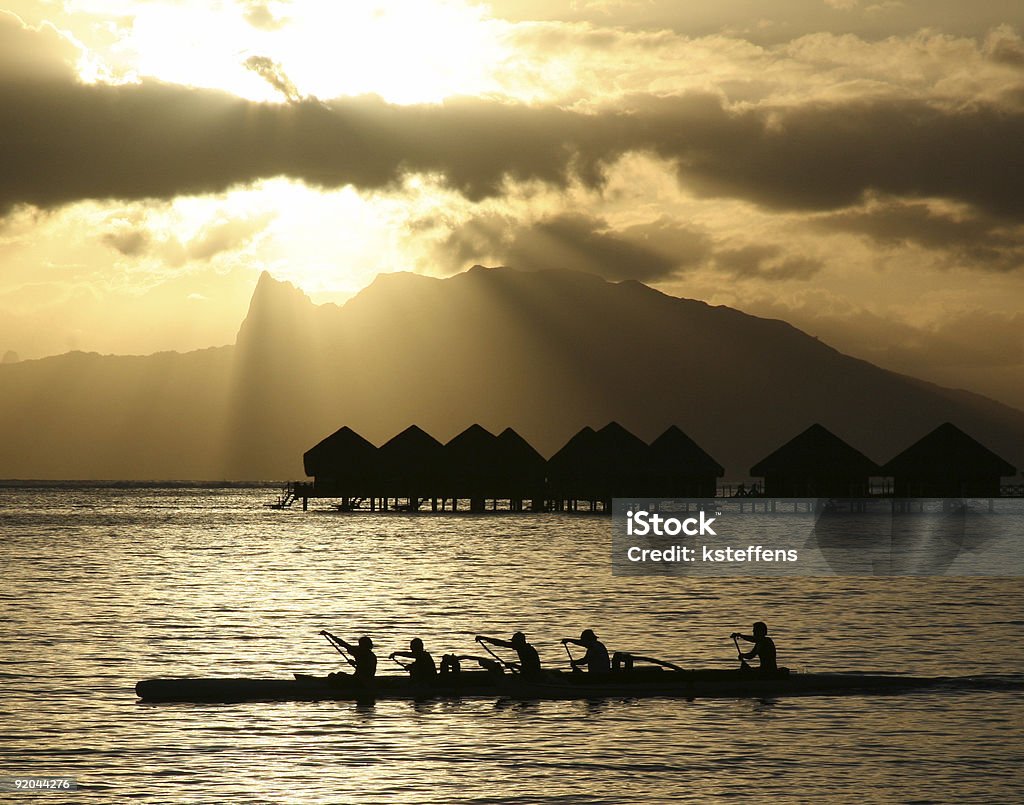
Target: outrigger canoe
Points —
{"points": [[637, 683]]}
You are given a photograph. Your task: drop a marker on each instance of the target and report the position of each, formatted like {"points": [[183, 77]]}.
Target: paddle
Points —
{"points": [[397, 661], [510, 666], [736, 642], [572, 660], [334, 642]]}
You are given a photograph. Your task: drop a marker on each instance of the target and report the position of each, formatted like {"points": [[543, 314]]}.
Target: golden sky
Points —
{"points": [[853, 167]]}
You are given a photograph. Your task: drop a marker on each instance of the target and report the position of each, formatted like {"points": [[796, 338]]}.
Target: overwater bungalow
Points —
{"points": [[343, 465], [947, 463], [523, 473], [815, 463], [620, 468], [677, 467], [473, 467], [488, 468], [597, 466], [568, 469], [413, 466]]}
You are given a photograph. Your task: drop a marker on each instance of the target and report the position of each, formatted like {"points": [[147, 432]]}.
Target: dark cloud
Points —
{"points": [[766, 261], [648, 252], [71, 142], [63, 142], [132, 238], [272, 72], [966, 239], [582, 243], [33, 55], [828, 155], [481, 239], [131, 242], [688, 246], [779, 21], [1005, 46]]}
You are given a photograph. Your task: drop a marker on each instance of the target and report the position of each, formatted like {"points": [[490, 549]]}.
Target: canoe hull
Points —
{"points": [[557, 685]]}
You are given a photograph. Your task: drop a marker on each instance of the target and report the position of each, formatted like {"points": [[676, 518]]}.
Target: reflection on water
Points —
{"points": [[102, 588]]}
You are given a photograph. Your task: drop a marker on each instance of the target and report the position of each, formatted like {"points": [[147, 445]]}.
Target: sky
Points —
{"points": [[852, 167]]}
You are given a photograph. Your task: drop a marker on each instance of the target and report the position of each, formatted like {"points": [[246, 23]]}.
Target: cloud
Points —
{"points": [[272, 72], [154, 140], [226, 234], [766, 261], [133, 235], [650, 252], [829, 155], [258, 15], [966, 337], [781, 20], [1005, 46], [130, 242], [581, 243], [34, 55], [964, 238], [67, 141], [576, 242]]}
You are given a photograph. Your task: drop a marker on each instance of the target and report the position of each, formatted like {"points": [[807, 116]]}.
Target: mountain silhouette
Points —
{"points": [[544, 352]]}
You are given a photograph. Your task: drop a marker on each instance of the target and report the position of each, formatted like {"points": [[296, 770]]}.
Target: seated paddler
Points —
{"points": [[764, 648], [422, 669], [363, 659], [596, 659], [529, 659]]}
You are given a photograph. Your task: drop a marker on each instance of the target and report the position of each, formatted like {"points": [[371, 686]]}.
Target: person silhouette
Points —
{"points": [[422, 668], [596, 658], [363, 658], [764, 648], [529, 659]]}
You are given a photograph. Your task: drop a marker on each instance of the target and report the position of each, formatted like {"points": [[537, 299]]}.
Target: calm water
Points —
{"points": [[102, 588]]}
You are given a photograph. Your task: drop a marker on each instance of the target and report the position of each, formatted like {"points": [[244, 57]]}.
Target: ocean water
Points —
{"points": [[103, 587]]}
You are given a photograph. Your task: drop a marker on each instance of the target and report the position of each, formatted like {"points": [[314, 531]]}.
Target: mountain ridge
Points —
{"points": [[544, 352]]}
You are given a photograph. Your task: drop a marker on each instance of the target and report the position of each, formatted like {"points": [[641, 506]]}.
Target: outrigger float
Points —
{"points": [[632, 684]]}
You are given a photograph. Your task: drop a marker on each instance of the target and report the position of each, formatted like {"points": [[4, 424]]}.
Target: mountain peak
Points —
{"points": [[277, 310]]}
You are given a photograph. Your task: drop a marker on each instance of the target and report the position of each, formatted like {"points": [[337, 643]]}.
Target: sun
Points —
{"points": [[405, 52]]}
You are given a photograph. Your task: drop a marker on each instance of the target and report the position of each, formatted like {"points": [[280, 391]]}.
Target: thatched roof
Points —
{"points": [[815, 452], [413, 453], [343, 451], [617, 444], [675, 452], [947, 450], [608, 462], [575, 454], [516, 452], [473, 445], [473, 454], [610, 447]]}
